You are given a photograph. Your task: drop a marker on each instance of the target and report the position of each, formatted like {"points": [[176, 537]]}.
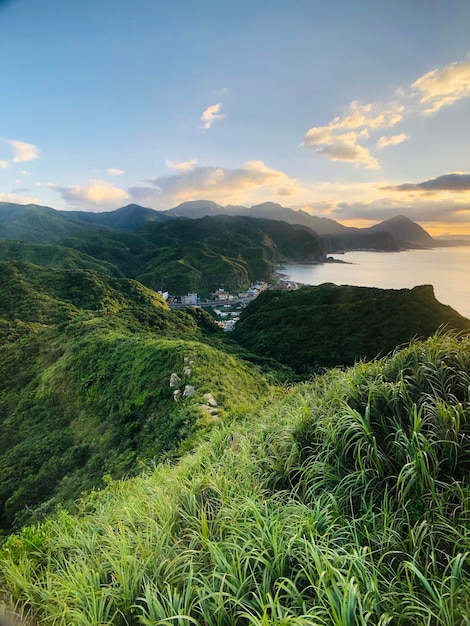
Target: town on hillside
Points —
{"points": [[223, 306]]}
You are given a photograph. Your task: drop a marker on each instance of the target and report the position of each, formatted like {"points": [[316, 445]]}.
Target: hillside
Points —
{"points": [[85, 367], [405, 231], [329, 325], [54, 255], [343, 502], [184, 255], [38, 224]]}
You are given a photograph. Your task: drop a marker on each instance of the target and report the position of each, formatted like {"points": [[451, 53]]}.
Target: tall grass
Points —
{"points": [[344, 503]]}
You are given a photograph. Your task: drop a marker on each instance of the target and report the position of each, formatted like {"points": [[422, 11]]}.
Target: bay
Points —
{"points": [[447, 269]]}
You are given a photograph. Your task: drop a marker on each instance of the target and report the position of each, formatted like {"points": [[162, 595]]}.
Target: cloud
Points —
{"points": [[183, 166], [442, 87], [370, 116], [391, 140], [23, 151], [421, 211], [4, 165], [344, 147], [15, 199], [98, 195], [113, 171], [250, 182], [211, 115], [333, 142], [342, 139], [456, 181]]}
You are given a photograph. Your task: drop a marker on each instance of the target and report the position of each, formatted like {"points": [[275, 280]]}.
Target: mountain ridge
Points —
{"points": [[39, 224]]}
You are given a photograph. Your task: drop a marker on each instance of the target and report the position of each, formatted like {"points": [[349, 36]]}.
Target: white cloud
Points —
{"points": [[342, 139], [391, 140], [371, 116], [4, 165], [442, 87], [332, 142], [23, 151], [339, 146], [211, 115], [18, 199], [252, 182], [113, 171], [98, 195], [183, 166]]}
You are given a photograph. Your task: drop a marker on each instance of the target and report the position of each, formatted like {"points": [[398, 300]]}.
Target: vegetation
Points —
{"points": [[85, 364], [344, 502], [328, 325], [183, 255], [176, 255]]}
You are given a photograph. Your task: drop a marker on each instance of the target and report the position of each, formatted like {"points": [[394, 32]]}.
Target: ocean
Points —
{"points": [[447, 269]]}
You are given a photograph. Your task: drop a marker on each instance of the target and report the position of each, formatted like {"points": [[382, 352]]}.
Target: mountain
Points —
{"points": [[195, 209], [130, 217], [404, 231], [38, 224], [182, 255], [54, 255], [329, 325], [268, 210], [391, 235]]}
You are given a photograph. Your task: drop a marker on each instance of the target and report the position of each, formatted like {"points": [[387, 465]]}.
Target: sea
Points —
{"points": [[447, 269]]}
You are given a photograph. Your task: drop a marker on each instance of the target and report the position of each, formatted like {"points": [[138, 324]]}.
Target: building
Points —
{"points": [[190, 299]]}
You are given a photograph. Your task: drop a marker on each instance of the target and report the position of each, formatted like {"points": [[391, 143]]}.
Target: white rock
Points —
{"points": [[174, 380], [188, 391], [211, 401]]}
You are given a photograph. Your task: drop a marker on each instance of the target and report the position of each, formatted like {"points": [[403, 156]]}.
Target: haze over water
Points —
{"points": [[447, 269]]}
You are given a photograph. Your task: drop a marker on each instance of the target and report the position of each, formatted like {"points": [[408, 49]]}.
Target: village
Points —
{"points": [[226, 307]]}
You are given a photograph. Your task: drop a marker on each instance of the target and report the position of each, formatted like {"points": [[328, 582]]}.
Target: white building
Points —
{"points": [[190, 299]]}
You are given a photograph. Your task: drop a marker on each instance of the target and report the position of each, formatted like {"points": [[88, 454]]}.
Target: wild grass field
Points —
{"points": [[342, 501]]}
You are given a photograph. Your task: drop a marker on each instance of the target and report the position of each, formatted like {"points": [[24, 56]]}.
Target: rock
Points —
{"points": [[188, 391], [211, 410], [176, 395], [211, 401], [174, 380], [186, 359], [186, 371]]}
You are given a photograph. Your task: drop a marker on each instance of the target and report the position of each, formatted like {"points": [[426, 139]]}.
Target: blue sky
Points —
{"points": [[352, 110]]}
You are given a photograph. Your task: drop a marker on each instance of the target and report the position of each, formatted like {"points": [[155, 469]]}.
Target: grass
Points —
{"points": [[344, 502]]}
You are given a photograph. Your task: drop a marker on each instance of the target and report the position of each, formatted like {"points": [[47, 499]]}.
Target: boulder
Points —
{"points": [[188, 391], [174, 380], [211, 401]]}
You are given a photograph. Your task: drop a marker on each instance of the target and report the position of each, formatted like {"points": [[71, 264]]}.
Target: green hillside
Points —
{"points": [[345, 502], [202, 255], [330, 325], [53, 255], [85, 367]]}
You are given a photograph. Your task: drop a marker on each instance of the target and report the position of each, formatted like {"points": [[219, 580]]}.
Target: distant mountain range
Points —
{"points": [[38, 224]]}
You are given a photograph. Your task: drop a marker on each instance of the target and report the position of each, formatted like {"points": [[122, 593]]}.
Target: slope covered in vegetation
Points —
{"points": [[345, 502], [184, 255], [85, 365], [330, 325]]}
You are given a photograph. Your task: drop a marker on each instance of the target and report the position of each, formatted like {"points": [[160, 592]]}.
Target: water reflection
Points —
{"points": [[448, 269]]}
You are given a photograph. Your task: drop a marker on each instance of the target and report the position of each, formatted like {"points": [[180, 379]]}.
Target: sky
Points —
{"points": [[356, 111]]}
